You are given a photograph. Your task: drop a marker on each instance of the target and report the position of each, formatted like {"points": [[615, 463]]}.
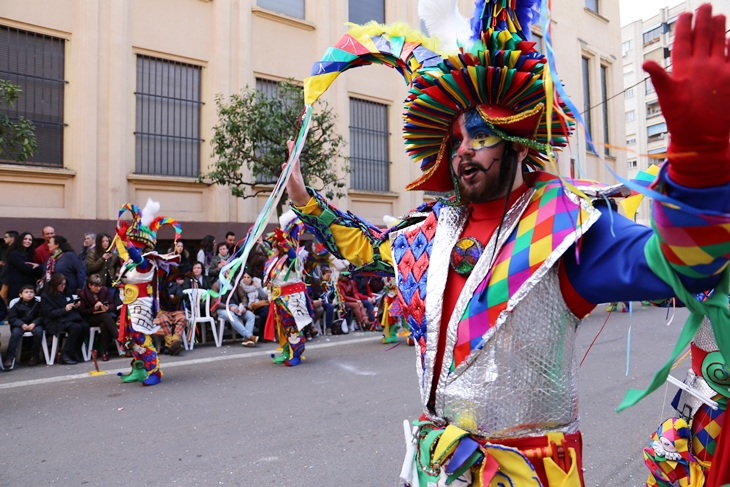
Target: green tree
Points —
{"points": [[251, 134], [17, 139]]}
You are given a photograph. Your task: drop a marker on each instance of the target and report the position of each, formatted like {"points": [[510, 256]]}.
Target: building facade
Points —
{"points": [[122, 94], [646, 130]]}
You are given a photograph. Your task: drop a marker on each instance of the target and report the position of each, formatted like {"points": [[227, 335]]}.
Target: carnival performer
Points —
{"points": [[290, 311], [492, 280], [392, 318], [139, 281]]}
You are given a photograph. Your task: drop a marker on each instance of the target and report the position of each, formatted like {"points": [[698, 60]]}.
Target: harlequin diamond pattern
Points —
{"points": [[550, 217], [706, 427], [412, 252]]}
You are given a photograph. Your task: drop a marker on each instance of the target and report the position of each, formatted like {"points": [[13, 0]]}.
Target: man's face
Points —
{"points": [[476, 157], [88, 240], [9, 240], [48, 232], [231, 239], [27, 295]]}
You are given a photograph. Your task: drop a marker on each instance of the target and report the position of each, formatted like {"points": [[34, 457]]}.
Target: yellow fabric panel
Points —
{"points": [[351, 242]]}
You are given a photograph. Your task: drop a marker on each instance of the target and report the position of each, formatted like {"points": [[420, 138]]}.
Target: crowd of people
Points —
{"points": [[53, 288]]}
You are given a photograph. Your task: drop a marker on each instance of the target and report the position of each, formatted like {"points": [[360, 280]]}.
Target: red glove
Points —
{"points": [[695, 100]]}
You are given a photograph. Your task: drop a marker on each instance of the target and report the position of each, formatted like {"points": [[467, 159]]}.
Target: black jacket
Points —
{"points": [[23, 313], [19, 273], [55, 314], [70, 265]]}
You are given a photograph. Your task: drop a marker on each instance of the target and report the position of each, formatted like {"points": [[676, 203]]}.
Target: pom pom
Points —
{"points": [[149, 212]]}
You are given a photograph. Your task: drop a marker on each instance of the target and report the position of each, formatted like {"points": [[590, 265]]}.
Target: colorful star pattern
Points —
{"points": [[706, 427]]}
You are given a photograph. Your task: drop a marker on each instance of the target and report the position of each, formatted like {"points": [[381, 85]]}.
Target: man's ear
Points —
{"points": [[520, 151]]}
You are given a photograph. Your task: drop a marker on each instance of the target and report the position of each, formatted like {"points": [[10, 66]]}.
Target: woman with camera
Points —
{"points": [[60, 310]]}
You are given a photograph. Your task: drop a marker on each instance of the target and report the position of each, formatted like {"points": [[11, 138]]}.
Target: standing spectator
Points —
{"points": [[353, 301], [24, 316], [102, 262], [42, 252], [60, 311], [21, 269], [231, 242], [198, 280], [185, 263], [206, 252], [10, 237], [96, 301], [88, 246], [318, 294], [63, 259], [256, 300], [220, 259]]}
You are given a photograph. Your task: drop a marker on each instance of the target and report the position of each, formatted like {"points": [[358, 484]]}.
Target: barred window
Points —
{"points": [[168, 118], [363, 11], [369, 136], [292, 8], [35, 62], [269, 89]]}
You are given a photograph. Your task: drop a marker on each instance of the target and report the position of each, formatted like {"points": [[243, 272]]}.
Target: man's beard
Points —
{"points": [[494, 187]]}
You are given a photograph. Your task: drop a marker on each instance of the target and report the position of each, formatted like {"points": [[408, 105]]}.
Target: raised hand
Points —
{"points": [[295, 185], [695, 97]]}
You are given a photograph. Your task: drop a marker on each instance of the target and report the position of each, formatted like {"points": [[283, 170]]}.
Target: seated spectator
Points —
{"points": [[198, 280], [59, 309], [256, 300], [362, 287], [63, 259], [96, 307], [21, 270], [24, 316], [348, 293], [220, 259], [318, 294], [240, 318], [99, 261], [171, 317]]}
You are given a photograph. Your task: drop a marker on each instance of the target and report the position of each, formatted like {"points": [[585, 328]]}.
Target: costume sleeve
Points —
{"points": [[695, 241]]}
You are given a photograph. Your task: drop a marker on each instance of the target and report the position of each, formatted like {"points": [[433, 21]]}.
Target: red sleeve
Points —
{"points": [[577, 305]]}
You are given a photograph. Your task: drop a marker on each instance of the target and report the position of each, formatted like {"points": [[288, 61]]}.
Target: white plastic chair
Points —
{"points": [[198, 300], [92, 332], [221, 325]]}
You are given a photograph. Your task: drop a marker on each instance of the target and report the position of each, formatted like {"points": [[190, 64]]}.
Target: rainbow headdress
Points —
{"points": [[142, 230], [487, 64]]}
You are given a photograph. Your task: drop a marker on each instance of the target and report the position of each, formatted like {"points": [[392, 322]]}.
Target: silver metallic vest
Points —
{"points": [[523, 382]]}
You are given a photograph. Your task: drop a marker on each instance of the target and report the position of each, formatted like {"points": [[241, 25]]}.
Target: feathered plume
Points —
{"points": [[445, 22], [149, 212], [487, 13]]}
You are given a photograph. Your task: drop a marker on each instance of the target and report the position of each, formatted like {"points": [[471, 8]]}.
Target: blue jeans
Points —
{"points": [[243, 328], [369, 309]]}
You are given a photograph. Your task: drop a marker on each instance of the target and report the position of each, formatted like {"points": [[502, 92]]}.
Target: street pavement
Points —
{"points": [[228, 416]]}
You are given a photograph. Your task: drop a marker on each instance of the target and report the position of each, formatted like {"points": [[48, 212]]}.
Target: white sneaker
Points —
{"points": [[248, 343]]}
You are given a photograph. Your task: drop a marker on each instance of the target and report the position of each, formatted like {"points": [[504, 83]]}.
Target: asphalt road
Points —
{"points": [[228, 416]]}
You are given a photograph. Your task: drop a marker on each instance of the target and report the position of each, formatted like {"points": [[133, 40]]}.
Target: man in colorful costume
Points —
{"points": [[290, 310], [492, 281], [139, 286]]}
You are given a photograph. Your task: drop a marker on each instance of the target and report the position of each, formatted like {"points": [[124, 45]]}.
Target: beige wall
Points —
{"points": [[235, 42]]}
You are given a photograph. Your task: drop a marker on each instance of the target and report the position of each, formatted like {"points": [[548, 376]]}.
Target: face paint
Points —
{"points": [[478, 135]]}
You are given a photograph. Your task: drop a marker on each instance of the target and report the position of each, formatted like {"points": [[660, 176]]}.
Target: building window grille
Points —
{"points": [[653, 110], [292, 8], [363, 11], [369, 136], [35, 62], [587, 94], [630, 141], [167, 123], [629, 93], [604, 108], [631, 164]]}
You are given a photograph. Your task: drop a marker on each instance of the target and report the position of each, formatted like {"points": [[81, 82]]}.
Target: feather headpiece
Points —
{"points": [[142, 230], [487, 64]]}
